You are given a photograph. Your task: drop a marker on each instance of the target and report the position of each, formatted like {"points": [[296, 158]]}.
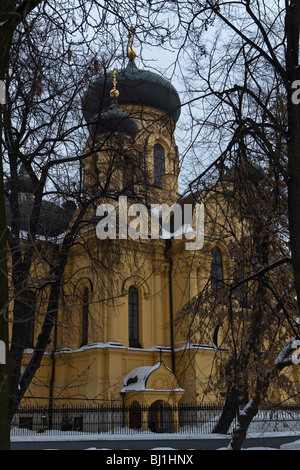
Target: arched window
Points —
{"points": [[159, 164], [216, 336], [135, 416], [216, 269], [133, 317], [85, 316]]}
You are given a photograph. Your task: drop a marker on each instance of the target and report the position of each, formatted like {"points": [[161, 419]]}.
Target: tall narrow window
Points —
{"points": [[133, 317], [85, 316], [215, 336], [159, 164], [216, 270], [128, 169]]}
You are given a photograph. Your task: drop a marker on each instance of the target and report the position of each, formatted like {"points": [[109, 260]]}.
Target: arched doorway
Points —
{"points": [[160, 417], [135, 419]]}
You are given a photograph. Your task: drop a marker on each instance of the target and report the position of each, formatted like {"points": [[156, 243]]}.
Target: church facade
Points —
{"points": [[118, 339]]}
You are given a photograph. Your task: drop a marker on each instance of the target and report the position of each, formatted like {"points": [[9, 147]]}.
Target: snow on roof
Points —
{"points": [[135, 380]]}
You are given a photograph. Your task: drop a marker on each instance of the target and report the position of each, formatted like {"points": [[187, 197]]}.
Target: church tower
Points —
{"points": [[131, 116], [121, 294]]}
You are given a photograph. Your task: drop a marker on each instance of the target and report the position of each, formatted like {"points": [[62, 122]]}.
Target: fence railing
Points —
{"points": [[131, 420]]}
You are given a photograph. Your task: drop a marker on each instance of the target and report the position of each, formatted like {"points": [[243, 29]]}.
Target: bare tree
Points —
{"points": [[252, 311], [239, 82], [10, 16], [44, 130], [244, 74]]}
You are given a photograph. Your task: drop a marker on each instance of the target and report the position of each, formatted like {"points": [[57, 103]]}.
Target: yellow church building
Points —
{"points": [[117, 340], [142, 256]]}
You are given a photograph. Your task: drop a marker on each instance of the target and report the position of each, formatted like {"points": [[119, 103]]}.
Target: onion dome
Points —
{"points": [[53, 219], [113, 120], [136, 87]]}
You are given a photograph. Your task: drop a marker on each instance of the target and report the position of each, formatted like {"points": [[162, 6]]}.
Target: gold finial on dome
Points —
{"points": [[114, 92], [131, 53]]}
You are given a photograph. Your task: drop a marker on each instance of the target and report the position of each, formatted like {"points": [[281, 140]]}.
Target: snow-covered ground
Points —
{"points": [[29, 436]]}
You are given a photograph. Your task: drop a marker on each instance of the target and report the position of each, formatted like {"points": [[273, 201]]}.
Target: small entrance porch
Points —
{"points": [[152, 394]]}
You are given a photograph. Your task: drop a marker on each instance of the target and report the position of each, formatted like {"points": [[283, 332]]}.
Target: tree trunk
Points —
{"points": [[5, 41], [245, 419], [42, 342], [43, 339], [4, 368], [229, 412], [237, 391], [250, 410], [284, 359]]}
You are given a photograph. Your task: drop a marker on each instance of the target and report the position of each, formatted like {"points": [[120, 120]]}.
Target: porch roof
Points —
{"points": [[151, 378]]}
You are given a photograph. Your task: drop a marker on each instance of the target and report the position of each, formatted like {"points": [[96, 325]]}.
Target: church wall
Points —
{"points": [[92, 365]]}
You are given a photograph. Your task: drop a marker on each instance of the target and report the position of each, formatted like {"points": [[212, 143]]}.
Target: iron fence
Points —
{"points": [[134, 420]]}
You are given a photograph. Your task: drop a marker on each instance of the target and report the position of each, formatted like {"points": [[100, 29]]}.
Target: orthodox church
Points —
{"points": [[118, 339]]}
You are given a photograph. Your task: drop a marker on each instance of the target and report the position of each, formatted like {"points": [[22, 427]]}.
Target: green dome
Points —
{"points": [[136, 87], [114, 120]]}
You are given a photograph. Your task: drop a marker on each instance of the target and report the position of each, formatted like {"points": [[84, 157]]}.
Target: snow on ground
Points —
{"points": [[29, 436]]}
